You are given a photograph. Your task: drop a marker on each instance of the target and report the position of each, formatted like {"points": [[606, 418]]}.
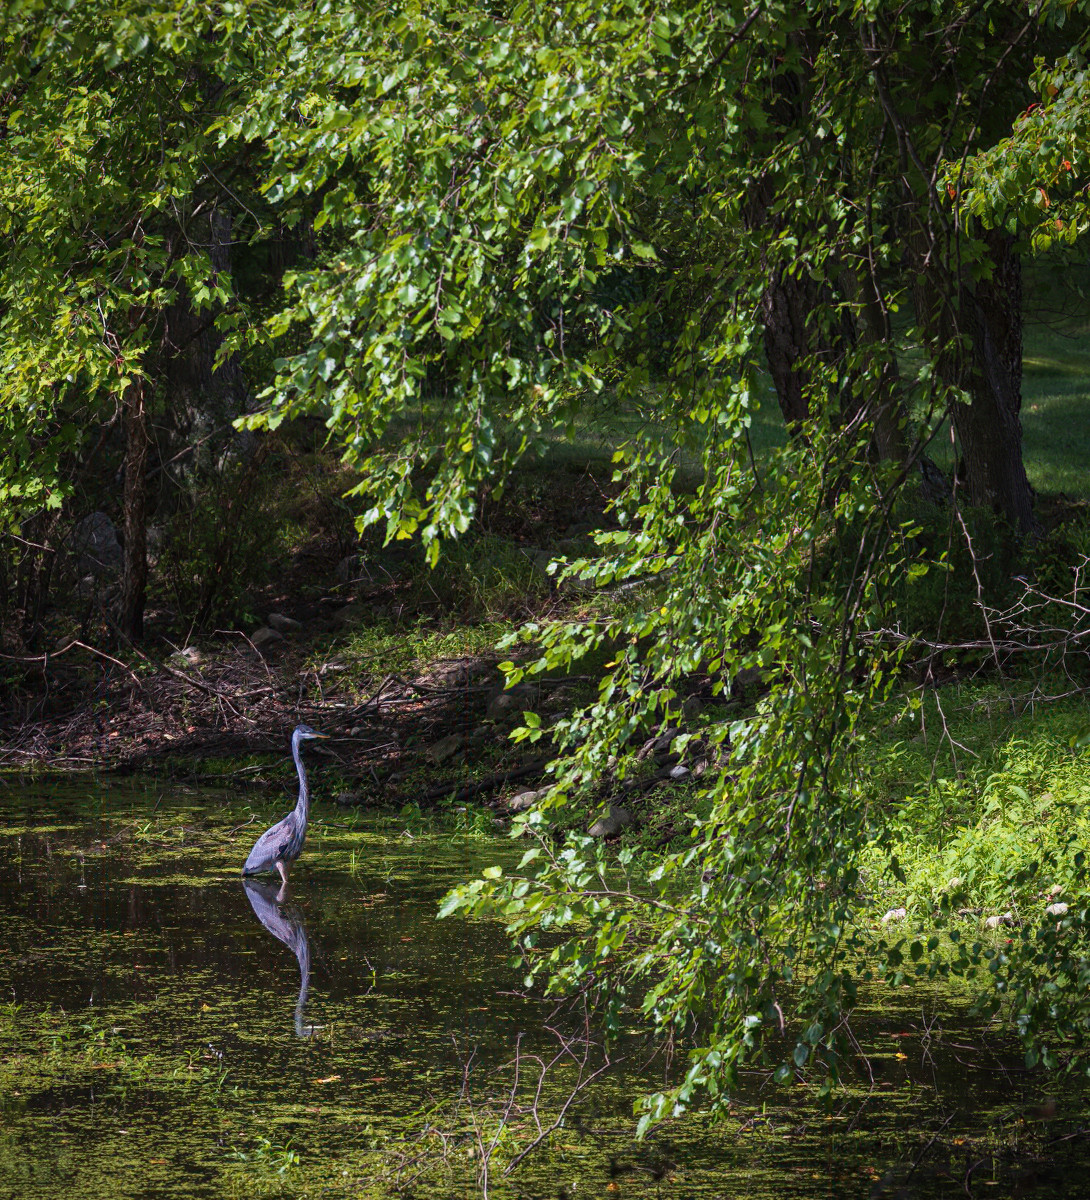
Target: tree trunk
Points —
{"points": [[786, 301], [888, 412], [802, 318], [974, 331], [202, 400], [990, 428], [134, 575]]}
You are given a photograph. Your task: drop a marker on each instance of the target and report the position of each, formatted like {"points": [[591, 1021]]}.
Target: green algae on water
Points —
{"points": [[156, 1039]]}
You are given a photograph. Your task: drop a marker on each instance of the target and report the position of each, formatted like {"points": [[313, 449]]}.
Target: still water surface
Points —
{"points": [[166, 1030]]}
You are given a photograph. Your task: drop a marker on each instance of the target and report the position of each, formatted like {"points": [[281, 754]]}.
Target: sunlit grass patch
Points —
{"points": [[377, 650], [988, 788]]}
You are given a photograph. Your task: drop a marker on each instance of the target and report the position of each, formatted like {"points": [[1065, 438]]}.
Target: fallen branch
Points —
{"points": [[44, 659]]}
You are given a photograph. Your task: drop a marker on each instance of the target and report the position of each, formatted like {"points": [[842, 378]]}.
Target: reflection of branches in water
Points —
{"points": [[498, 1122]]}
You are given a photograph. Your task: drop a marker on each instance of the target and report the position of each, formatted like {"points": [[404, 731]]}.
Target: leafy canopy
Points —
{"points": [[514, 209]]}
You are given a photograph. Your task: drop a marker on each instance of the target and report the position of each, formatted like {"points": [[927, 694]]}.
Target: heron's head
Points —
{"points": [[303, 732]]}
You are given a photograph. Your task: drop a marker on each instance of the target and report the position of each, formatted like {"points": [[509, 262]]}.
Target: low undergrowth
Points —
{"points": [[981, 785], [983, 870]]}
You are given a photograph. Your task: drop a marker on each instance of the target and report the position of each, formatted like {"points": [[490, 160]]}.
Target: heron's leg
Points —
{"points": [[282, 867]]}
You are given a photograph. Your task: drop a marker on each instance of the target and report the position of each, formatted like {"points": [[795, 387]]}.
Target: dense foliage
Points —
{"points": [[499, 214]]}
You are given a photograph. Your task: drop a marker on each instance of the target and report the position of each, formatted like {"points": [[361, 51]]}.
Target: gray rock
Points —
{"points": [[94, 541], [483, 733], [525, 800], [894, 914], [613, 822], [664, 741], [446, 674], [692, 708], [677, 771], [283, 624], [503, 704], [512, 703], [577, 583], [541, 562], [265, 638], [351, 614], [348, 569], [443, 749], [748, 682], [347, 799]]}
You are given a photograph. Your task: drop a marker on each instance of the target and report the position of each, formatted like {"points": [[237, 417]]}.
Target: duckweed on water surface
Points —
{"points": [[157, 1040]]}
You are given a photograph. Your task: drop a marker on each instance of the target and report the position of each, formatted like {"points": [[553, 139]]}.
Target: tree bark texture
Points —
{"points": [[134, 572], [803, 318], [786, 301], [977, 343], [887, 411]]}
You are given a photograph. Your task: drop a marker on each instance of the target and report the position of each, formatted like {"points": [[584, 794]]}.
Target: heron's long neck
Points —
{"points": [[303, 804]]}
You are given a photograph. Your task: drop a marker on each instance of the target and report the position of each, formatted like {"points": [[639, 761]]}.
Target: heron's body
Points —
{"points": [[277, 848]]}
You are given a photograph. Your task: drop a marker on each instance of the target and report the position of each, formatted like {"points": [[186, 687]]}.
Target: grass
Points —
{"points": [[1055, 398], [390, 648], [988, 789]]}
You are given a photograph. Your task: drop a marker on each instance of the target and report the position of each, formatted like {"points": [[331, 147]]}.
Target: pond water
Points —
{"points": [[166, 1030]]}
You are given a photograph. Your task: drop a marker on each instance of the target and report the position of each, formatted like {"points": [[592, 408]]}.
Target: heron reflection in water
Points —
{"points": [[287, 924]]}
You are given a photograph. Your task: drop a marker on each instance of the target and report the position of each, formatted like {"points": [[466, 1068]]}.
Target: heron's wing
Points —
{"points": [[271, 845]]}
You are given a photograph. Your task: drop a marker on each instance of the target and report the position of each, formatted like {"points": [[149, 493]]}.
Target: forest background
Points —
{"points": [[281, 281]]}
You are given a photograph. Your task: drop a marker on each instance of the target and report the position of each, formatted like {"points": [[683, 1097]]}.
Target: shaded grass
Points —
{"points": [[1056, 400], [388, 648]]}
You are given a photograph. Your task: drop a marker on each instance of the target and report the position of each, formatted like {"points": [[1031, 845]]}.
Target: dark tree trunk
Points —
{"points": [[975, 333], [990, 428], [134, 573], [784, 307], [888, 415], [202, 400], [36, 560], [804, 322]]}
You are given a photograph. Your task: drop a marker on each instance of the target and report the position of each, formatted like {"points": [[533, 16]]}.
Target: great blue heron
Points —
{"points": [[277, 848]]}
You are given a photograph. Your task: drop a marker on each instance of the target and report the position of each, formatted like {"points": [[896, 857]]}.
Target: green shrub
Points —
{"points": [[220, 542]]}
